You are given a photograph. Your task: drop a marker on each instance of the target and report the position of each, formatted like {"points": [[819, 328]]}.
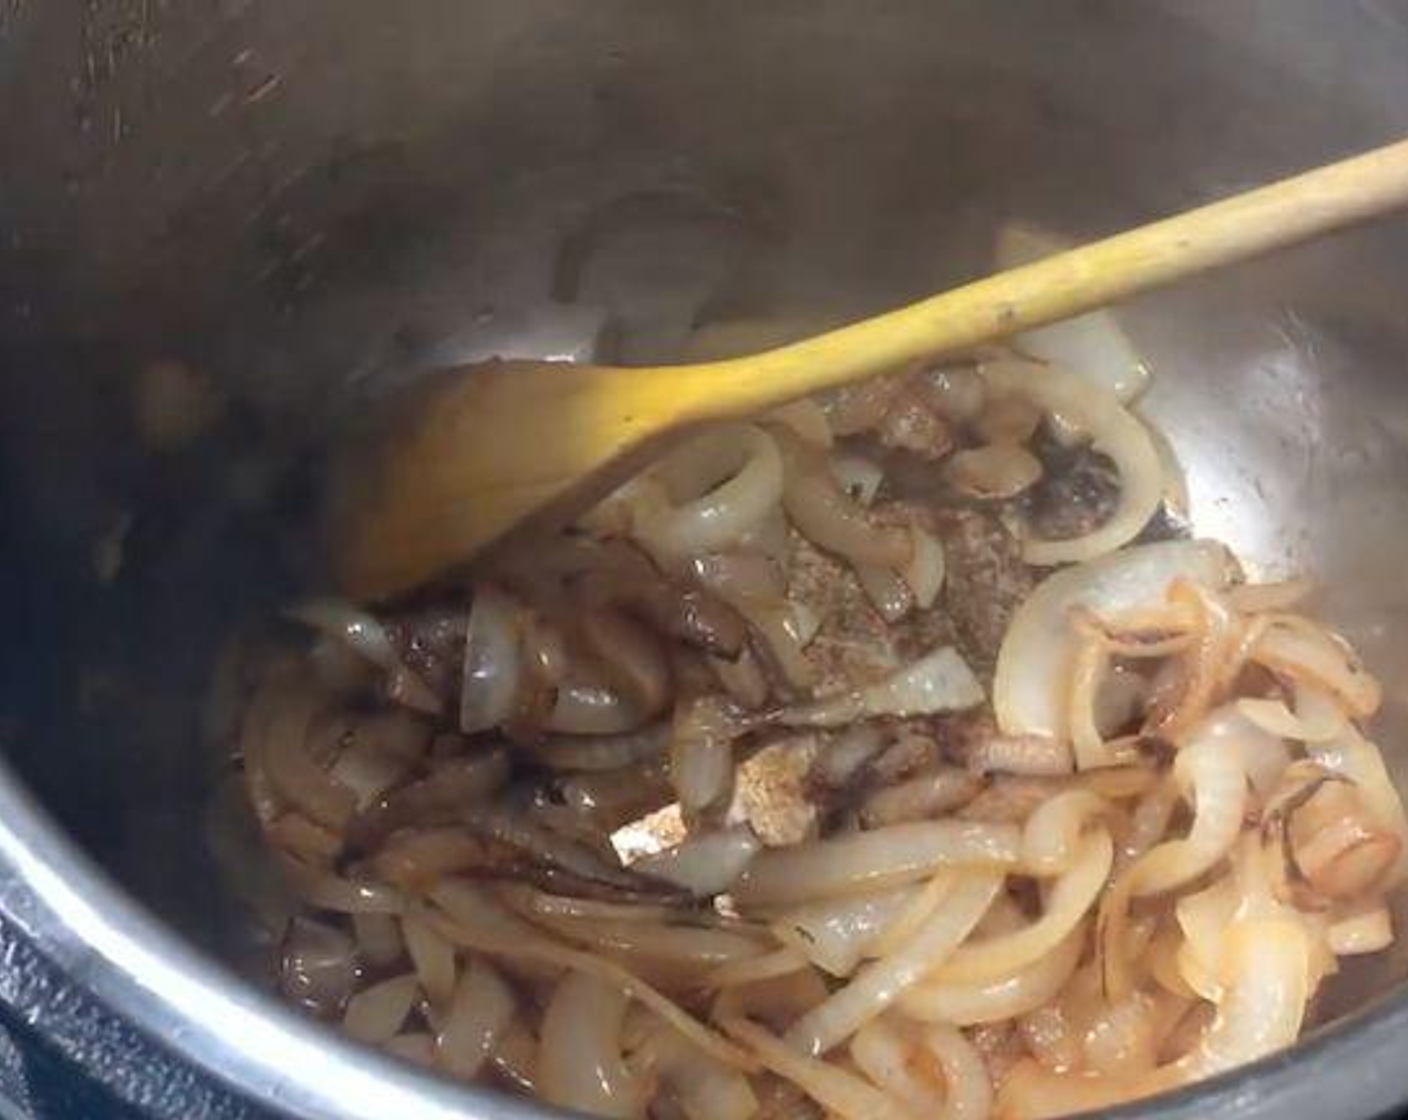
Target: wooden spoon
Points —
{"points": [[484, 449]]}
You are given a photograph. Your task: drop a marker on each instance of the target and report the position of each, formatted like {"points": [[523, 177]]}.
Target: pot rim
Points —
{"points": [[77, 916]]}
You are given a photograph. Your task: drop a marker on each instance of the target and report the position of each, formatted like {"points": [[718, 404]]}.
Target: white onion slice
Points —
{"points": [[837, 933], [967, 1085], [493, 660], [705, 1089], [709, 515], [1368, 931], [938, 682], [363, 633], [1114, 432], [375, 1014], [842, 1093], [877, 985], [703, 865], [926, 568], [1034, 662], [859, 477], [992, 1001], [883, 1051], [1071, 898], [868, 861], [433, 958], [580, 1066], [480, 1012]]}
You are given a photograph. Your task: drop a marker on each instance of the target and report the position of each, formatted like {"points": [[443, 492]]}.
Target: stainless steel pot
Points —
{"points": [[310, 200]]}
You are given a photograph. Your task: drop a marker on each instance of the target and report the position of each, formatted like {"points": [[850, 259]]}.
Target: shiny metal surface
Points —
{"points": [[313, 201]]}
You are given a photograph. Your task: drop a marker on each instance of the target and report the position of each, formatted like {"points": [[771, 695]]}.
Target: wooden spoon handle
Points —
{"points": [[1069, 283]]}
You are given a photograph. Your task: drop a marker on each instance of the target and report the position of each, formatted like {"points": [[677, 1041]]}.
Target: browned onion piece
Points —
{"points": [[695, 617], [587, 704], [824, 514], [1041, 756], [632, 656], [602, 752], [434, 799], [993, 473], [929, 795], [539, 844]]}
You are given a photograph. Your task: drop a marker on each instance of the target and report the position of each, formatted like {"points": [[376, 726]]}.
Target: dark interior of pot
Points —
{"points": [[307, 203]]}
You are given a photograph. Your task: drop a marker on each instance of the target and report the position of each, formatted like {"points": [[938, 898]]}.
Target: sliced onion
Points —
{"points": [[1215, 781], [994, 473], [1274, 718], [1092, 345], [290, 769], [1368, 931], [363, 633], [1051, 835], [415, 1047], [887, 591], [632, 656], [378, 938], [869, 861], [840, 1092], [926, 568], [1114, 432], [502, 824], [580, 1066], [938, 682], [859, 477], [602, 752], [318, 967], [708, 515], [827, 517], [993, 1001], [477, 921], [1266, 1002], [375, 1014], [647, 943], [805, 419], [968, 1088], [705, 1089], [588, 705], [436, 797], [1264, 756], [701, 751], [493, 660], [354, 896], [883, 1051], [704, 865], [837, 933], [1312, 656], [433, 958], [1071, 898], [928, 795], [1034, 756], [1035, 660], [1360, 760], [877, 985], [479, 1014]]}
